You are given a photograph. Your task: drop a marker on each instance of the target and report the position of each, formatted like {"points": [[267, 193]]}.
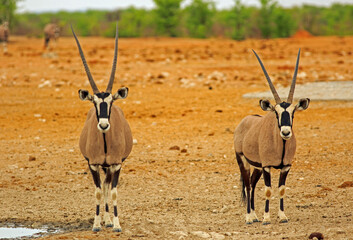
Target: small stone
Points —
{"points": [[31, 158], [174, 148], [134, 141], [179, 233], [316, 235], [346, 184], [184, 150], [217, 236], [201, 234], [224, 209]]}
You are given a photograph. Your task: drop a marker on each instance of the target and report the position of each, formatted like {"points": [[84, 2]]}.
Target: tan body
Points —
{"points": [[258, 139], [266, 142], [105, 141], [51, 30], [118, 139], [4, 33]]}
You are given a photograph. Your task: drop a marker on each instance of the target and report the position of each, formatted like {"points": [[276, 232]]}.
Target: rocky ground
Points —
{"points": [[181, 180]]}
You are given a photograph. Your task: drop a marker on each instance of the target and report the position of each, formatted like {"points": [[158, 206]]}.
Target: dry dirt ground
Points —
{"points": [[185, 93]]}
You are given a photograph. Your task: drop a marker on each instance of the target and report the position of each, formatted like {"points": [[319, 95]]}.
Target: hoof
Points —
{"points": [[266, 223], [96, 229], [256, 220], [248, 223], [117, 230], [283, 221], [109, 225]]}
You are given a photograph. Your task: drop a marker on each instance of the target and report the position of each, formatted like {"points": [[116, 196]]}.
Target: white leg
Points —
{"points": [[106, 192], [114, 193], [97, 218], [281, 215], [268, 193], [5, 47], [253, 216], [98, 194], [282, 190], [106, 218]]}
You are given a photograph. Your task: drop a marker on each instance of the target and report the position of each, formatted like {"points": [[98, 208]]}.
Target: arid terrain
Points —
{"points": [[185, 93]]}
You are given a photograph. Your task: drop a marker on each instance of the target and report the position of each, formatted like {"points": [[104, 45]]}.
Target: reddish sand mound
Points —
{"points": [[302, 34]]}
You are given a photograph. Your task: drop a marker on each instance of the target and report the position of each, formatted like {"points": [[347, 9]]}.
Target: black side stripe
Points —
{"points": [[255, 164]]}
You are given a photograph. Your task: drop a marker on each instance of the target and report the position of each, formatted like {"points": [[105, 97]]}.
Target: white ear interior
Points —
{"points": [[266, 105], [303, 103], [84, 95], [121, 93]]}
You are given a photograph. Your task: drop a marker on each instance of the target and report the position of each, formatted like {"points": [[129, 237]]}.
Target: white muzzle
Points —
{"points": [[103, 125], [286, 132]]}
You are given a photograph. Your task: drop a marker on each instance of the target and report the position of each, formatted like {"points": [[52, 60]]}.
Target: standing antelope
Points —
{"points": [[266, 142], [51, 31], [106, 139], [4, 35]]}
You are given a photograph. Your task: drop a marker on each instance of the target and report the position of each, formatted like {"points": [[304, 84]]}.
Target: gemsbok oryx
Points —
{"points": [[4, 35], [106, 139], [51, 31], [266, 142]]}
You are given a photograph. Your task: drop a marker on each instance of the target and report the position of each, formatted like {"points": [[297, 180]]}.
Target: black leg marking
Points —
{"points": [[95, 175], [281, 206], [267, 205], [106, 207], [108, 176], [97, 210], [115, 211], [115, 178], [267, 178], [282, 177]]}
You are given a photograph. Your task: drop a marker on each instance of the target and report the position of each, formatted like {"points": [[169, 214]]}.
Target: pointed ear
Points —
{"points": [[121, 93], [303, 104], [266, 105], [84, 95]]}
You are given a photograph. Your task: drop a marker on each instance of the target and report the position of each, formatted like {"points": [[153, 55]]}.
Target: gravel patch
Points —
{"points": [[342, 91]]}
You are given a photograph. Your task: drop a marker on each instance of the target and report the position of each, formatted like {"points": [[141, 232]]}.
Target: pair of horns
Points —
{"points": [[90, 78], [273, 90]]}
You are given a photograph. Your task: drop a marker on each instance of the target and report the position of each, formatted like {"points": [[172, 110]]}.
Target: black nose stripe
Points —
{"points": [[103, 107], [285, 119]]}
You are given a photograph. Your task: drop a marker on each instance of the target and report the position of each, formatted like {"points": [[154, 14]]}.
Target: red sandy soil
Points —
{"points": [[185, 93]]}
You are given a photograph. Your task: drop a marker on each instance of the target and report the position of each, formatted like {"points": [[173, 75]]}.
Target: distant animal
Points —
{"points": [[266, 142], [106, 140], [51, 31], [4, 35]]}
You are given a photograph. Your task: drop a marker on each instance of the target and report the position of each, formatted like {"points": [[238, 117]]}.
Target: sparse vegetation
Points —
{"points": [[198, 19]]}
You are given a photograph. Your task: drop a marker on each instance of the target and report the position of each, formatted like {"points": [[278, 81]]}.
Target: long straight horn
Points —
{"points": [[273, 90], [91, 81], [112, 75], [292, 87]]}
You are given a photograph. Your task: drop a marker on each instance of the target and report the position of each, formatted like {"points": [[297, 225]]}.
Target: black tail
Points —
{"points": [[241, 167], [243, 194]]}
